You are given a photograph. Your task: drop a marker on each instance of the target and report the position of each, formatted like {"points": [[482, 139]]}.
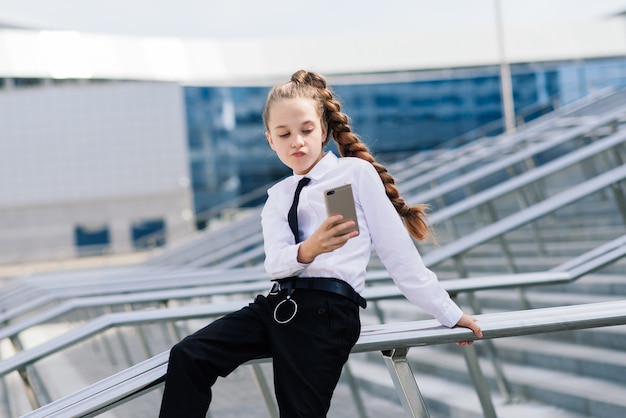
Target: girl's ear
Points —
{"points": [[269, 140], [325, 135]]}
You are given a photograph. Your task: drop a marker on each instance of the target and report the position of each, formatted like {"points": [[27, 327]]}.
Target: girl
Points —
{"points": [[309, 321]]}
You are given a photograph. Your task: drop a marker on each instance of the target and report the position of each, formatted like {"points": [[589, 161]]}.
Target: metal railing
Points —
{"points": [[455, 250], [584, 264], [609, 180], [247, 252], [392, 340], [248, 283], [492, 160]]}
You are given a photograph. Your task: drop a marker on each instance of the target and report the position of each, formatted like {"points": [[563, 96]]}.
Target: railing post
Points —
{"points": [[142, 336], [504, 246], [404, 381], [35, 390], [482, 389], [620, 199], [537, 195], [268, 397], [474, 369], [120, 337], [356, 394]]}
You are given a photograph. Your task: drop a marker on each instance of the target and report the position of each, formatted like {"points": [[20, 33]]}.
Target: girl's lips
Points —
{"points": [[298, 154]]}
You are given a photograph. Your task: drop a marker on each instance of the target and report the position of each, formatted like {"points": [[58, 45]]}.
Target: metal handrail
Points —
{"points": [[489, 147], [607, 254], [532, 213], [488, 150], [393, 340], [37, 296], [528, 215], [499, 228], [478, 199], [569, 271], [590, 189], [538, 122], [525, 216], [503, 161]]}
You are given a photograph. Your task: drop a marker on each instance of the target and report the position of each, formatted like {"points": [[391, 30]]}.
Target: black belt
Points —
{"points": [[325, 284]]}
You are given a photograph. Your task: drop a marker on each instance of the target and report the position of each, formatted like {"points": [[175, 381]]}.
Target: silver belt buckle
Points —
{"points": [[275, 288]]}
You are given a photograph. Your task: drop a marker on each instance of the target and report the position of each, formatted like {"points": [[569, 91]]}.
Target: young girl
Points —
{"points": [[309, 321]]}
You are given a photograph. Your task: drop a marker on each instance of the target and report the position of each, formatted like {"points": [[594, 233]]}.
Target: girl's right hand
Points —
{"points": [[330, 235]]}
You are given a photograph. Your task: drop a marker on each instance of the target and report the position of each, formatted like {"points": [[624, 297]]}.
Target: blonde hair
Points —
{"points": [[304, 84]]}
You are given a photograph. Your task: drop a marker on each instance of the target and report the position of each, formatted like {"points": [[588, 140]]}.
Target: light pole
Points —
{"points": [[506, 87]]}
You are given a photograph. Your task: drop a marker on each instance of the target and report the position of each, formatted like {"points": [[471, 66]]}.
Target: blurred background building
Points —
{"points": [[113, 144]]}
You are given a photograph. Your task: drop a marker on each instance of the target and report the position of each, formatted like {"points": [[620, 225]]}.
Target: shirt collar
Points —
{"points": [[328, 161]]}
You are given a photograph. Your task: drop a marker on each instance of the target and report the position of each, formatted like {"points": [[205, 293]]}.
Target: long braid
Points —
{"points": [[313, 85]]}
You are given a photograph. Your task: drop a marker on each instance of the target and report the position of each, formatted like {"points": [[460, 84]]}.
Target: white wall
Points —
{"points": [[108, 154], [90, 142]]}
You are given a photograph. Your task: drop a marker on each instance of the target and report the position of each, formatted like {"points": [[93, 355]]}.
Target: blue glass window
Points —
{"points": [[91, 239], [148, 234]]}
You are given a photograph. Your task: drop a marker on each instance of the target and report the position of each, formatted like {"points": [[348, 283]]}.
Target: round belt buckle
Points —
{"points": [[295, 309]]}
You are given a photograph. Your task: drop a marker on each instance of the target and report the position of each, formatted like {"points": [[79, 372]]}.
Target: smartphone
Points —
{"points": [[340, 200]]}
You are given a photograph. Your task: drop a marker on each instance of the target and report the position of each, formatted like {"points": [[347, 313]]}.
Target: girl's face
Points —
{"points": [[296, 133]]}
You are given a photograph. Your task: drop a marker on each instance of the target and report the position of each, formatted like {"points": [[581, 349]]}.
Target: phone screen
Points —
{"points": [[340, 200]]}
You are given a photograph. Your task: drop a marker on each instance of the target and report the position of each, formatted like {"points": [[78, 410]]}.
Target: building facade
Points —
{"points": [[113, 144], [90, 169], [394, 113]]}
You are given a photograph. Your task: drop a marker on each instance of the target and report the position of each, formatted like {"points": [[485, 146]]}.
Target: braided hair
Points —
{"points": [[304, 84]]}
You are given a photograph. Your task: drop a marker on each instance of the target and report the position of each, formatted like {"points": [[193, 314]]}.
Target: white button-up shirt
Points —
{"points": [[380, 228]]}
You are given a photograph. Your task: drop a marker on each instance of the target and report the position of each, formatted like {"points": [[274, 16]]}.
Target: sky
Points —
{"points": [[293, 18]]}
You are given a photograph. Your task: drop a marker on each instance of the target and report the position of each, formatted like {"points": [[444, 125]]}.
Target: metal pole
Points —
{"points": [[506, 85], [356, 394], [404, 382], [482, 389], [270, 405]]}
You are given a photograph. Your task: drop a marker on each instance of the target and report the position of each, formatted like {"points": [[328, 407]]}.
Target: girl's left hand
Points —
{"points": [[467, 321]]}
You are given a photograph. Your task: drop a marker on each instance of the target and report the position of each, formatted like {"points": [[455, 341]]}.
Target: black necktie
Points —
{"points": [[293, 211]]}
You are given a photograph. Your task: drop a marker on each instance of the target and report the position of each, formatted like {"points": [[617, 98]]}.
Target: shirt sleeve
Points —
{"points": [[397, 251], [281, 254]]}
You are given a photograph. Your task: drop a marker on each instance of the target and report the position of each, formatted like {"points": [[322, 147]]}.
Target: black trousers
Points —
{"points": [[308, 353]]}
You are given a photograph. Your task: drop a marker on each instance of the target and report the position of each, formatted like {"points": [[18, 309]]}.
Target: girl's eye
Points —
{"points": [[285, 135], [307, 131]]}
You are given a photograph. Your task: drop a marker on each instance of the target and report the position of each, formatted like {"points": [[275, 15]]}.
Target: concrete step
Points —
{"points": [[593, 357], [509, 299], [582, 395], [603, 283], [446, 398], [594, 223], [580, 360], [480, 266], [613, 338]]}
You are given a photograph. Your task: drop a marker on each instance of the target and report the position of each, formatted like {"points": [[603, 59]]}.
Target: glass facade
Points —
{"points": [[394, 114], [229, 155]]}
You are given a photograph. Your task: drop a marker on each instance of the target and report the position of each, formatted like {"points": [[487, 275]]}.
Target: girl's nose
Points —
{"points": [[299, 141]]}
